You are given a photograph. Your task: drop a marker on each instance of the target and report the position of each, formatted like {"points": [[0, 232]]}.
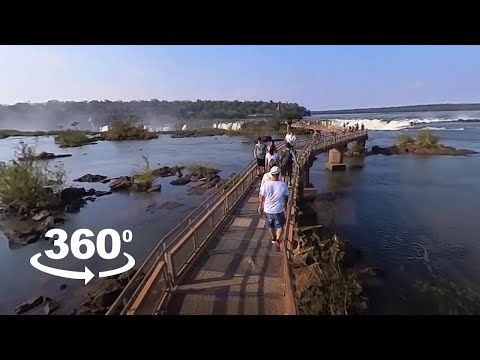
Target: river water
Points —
{"points": [[388, 210]]}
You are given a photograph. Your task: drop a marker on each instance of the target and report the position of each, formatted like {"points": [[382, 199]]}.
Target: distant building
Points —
{"points": [[104, 128], [184, 127]]}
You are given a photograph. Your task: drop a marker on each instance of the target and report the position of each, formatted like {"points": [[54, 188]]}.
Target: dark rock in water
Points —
{"points": [[166, 171], [49, 306], [41, 215], [170, 205], [29, 304], [69, 194], [49, 223], [154, 188], [106, 181], [90, 198], [75, 205], [90, 178], [211, 182], [122, 183], [180, 181], [91, 192], [139, 187], [102, 193], [47, 156], [413, 148], [59, 220], [24, 237], [63, 287]]}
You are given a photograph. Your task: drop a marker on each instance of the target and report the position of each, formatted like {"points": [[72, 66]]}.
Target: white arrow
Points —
{"points": [[130, 264], [87, 275]]}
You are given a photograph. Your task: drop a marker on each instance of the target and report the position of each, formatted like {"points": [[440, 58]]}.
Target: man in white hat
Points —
{"points": [[273, 200]]}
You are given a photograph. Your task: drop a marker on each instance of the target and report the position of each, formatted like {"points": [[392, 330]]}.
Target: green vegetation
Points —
{"points": [[72, 138], [408, 108], [426, 139], [28, 183], [147, 176], [405, 139], [62, 115], [199, 133], [323, 285], [201, 171], [128, 131]]}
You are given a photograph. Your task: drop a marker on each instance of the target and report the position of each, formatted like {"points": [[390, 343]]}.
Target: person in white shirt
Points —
{"points": [[271, 158], [273, 200], [290, 138]]}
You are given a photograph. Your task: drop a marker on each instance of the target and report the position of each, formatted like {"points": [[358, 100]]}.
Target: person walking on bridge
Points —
{"points": [[271, 159], [291, 139], [273, 200], [287, 159], [259, 153]]}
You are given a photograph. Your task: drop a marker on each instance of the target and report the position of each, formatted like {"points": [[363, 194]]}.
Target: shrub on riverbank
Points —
{"points": [[323, 285], [405, 139], [146, 176], [28, 183], [127, 131], [426, 139]]}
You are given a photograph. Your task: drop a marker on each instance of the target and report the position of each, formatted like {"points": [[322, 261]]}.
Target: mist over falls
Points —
{"points": [[158, 115]]}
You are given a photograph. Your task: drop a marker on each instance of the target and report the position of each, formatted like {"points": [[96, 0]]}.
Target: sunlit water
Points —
{"points": [[384, 209]]}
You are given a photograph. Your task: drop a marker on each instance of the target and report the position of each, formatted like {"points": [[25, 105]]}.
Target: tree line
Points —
{"points": [[58, 113]]}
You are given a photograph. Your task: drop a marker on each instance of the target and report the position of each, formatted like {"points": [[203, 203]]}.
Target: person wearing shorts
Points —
{"points": [[259, 153], [273, 200]]}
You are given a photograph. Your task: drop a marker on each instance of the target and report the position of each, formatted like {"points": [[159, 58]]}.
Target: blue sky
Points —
{"points": [[318, 77]]}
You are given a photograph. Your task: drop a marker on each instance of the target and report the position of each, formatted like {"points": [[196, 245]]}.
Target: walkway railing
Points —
{"points": [[316, 144], [161, 271]]}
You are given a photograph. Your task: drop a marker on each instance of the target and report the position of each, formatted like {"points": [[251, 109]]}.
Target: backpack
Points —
{"points": [[287, 158], [260, 151]]}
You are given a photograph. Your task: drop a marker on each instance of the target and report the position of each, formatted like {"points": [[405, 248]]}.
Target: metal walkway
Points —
{"points": [[219, 260], [239, 272]]}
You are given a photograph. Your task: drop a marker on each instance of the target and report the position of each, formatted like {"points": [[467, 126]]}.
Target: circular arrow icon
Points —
{"points": [[86, 275], [81, 239]]}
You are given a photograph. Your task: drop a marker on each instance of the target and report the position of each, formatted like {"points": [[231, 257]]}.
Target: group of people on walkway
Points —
{"points": [[352, 128], [277, 169]]}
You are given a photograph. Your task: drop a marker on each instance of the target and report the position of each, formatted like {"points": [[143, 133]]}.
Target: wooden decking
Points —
{"points": [[238, 273]]}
